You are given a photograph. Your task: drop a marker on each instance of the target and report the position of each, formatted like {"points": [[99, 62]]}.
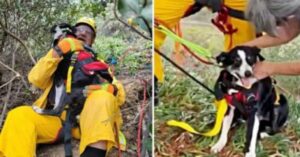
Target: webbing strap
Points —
{"points": [[194, 47], [215, 5], [68, 135], [70, 70], [111, 88], [89, 49], [194, 8], [236, 13], [221, 22]]}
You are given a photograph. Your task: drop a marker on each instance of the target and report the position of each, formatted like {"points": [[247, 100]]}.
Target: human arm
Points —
{"points": [[265, 69], [41, 74], [285, 33]]}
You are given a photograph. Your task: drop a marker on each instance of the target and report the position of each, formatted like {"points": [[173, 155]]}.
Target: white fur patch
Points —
{"points": [[240, 72], [250, 154], [232, 91], [58, 93], [253, 141], [58, 32], [244, 66]]}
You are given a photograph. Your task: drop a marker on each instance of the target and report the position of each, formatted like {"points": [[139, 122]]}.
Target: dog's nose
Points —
{"points": [[248, 73]]}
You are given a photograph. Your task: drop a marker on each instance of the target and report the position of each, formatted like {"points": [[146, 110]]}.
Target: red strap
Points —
{"points": [[159, 22], [84, 55], [221, 22], [238, 96], [93, 66]]}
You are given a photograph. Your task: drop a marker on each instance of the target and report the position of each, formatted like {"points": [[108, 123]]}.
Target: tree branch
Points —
{"points": [[147, 25], [8, 94], [5, 84], [17, 73], [20, 40], [9, 68], [4, 33]]}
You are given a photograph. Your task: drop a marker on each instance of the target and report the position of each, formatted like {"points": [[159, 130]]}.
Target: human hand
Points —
{"points": [[262, 70], [67, 45]]}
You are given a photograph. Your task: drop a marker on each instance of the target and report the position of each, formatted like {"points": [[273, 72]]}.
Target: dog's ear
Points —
{"points": [[52, 30], [222, 59], [73, 28], [220, 86], [260, 57], [256, 50], [64, 25]]}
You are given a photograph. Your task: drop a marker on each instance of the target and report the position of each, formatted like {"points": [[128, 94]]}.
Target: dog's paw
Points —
{"points": [[250, 154], [218, 147], [264, 135]]}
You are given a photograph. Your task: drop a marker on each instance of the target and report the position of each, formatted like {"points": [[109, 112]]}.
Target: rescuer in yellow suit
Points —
{"points": [[24, 128], [170, 12]]}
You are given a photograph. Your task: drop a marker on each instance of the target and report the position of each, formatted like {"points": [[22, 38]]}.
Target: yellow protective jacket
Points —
{"points": [[41, 76], [170, 12]]}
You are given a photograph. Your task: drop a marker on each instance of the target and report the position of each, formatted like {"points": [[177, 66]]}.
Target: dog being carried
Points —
{"points": [[87, 70], [255, 101]]}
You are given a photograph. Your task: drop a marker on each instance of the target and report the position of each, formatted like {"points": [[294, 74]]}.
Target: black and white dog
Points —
{"points": [[257, 102]]}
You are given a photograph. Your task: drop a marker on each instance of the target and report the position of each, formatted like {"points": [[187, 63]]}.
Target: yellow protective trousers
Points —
{"points": [[24, 128], [170, 12]]}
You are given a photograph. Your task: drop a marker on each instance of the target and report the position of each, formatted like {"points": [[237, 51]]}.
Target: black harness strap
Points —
{"points": [[89, 49], [86, 61], [194, 8], [67, 129], [236, 13], [238, 105], [216, 6]]}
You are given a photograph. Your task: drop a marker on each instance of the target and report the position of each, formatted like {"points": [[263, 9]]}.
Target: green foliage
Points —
{"points": [[131, 56], [106, 46], [113, 38], [184, 100], [137, 12], [147, 143], [33, 19]]}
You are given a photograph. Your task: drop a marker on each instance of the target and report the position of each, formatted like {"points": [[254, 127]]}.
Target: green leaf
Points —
{"points": [[129, 8]]}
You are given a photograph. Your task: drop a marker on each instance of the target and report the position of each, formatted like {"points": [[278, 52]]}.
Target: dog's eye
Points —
{"points": [[251, 60], [237, 62]]}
